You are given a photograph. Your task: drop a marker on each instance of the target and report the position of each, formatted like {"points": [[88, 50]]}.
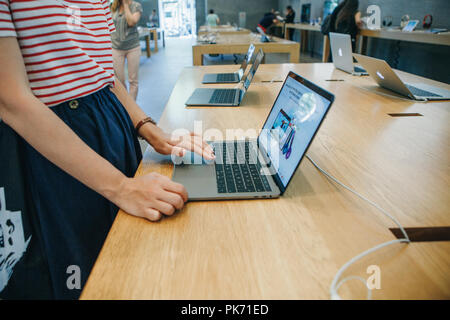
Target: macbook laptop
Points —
{"points": [[383, 74], [341, 49], [225, 97], [261, 168], [234, 77]]}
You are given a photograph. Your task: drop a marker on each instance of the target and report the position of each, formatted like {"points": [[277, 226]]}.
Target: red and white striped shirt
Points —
{"points": [[65, 44]]}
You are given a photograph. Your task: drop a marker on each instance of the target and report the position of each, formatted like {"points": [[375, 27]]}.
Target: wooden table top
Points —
{"points": [[414, 36], [421, 36], [243, 39], [146, 29], [291, 247], [303, 26], [223, 29]]}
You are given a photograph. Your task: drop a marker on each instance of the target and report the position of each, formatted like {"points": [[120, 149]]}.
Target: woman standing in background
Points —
{"points": [[125, 42], [347, 19]]}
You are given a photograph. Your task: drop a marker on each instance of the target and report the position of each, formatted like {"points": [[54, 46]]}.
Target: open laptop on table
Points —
{"points": [[225, 97], [341, 49], [234, 77], [383, 74], [262, 168]]}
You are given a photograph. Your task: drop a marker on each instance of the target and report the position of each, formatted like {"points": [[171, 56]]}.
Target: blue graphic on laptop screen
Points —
{"points": [[291, 125]]}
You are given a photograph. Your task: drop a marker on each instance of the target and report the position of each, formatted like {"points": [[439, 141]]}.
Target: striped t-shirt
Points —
{"points": [[65, 44]]}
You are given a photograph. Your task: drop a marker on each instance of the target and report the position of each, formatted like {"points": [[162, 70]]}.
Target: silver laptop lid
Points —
{"points": [[383, 74], [341, 49], [247, 80], [295, 118], [246, 61]]}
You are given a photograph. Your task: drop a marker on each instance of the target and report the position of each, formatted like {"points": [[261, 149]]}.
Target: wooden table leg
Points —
{"points": [[155, 37], [287, 33], [295, 54], [364, 41], [147, 45], [304, 40], [197, 57], [326, 49]]}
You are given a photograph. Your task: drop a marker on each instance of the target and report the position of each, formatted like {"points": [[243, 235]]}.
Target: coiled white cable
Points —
{"points": [[335, 285], [369, 291]]}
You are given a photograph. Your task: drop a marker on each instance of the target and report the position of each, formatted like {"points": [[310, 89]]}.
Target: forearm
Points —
{"points": [[135, 112], [149, 130], [51, 137], [132, 18]]}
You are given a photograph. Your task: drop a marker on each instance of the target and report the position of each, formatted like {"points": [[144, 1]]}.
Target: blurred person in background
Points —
{"points": [[212, 19], [290, 17], [125, 42], [346, 18], [154, 19]]}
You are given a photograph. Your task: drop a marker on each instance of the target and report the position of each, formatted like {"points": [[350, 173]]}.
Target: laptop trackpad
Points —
{"points": [[200, 97], [210, 78], [199, 180]]}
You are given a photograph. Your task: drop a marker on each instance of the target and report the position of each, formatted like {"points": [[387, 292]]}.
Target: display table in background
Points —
{"points": [[239, 43]]}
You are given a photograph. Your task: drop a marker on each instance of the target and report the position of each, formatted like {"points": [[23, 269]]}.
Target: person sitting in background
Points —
{"points": [[212, 19], [154, 19], [268, 20], [125, 42], [290, 17]]}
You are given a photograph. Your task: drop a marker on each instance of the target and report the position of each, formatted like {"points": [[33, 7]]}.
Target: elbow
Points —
{"points": [[133, 20], [133, 23], [12, 104]]}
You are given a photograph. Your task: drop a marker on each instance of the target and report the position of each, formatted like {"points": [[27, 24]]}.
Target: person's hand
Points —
{"points": [[127, 2], [165, 144], [150, 196]]}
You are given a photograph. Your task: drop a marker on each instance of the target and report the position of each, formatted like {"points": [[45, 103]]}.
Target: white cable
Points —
{"points": [[369, 291], [336, 283], [360, 196]]}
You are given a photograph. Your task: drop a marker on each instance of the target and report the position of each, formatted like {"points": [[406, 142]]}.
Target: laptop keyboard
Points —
{"points": [[223, 96], [421, 93], [359, 69], [238, 168], [226, 77]]}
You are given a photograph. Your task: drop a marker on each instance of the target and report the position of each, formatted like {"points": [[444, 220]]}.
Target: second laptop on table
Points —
{"points": [[341, 50], [225, 97], [385, 77], [234, 77]]}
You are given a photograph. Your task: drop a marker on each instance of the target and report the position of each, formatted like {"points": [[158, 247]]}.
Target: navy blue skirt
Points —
{"points": [[70, 220]]}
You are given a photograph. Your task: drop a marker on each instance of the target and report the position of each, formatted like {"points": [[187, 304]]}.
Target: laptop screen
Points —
{"points": [[247, 59], [248, 56], [249, 77], [292, 124]]}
